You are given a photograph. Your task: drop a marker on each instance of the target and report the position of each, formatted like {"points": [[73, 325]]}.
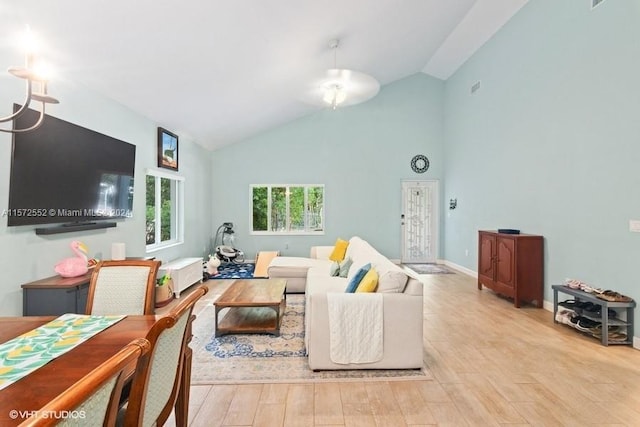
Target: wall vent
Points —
{"points": [[475, 87], [595, 3]]}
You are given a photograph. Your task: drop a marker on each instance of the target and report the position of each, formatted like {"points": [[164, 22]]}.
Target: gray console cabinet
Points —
{"points": [[55, 295]]}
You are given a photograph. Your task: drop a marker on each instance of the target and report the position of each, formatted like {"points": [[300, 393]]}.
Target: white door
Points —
{"points": [[419, 221]]}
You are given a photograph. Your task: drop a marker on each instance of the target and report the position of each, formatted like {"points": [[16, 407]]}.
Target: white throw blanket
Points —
{"points": [[355, 327]]}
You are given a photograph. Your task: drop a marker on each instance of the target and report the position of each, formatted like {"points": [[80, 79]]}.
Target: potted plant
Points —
{"points": [[164, 289]]}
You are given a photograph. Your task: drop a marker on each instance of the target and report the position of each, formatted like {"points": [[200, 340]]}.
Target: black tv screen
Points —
{"points": [[64, 173]]}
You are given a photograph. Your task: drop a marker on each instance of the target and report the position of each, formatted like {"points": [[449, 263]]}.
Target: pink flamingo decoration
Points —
{"points": [[75, 266]]}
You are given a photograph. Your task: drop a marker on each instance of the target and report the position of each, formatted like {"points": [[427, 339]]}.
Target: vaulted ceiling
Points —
{"points": [[221, 71]]}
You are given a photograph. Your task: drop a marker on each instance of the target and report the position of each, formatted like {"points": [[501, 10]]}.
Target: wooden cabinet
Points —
{"points": [[512, 265], [55, 295]]}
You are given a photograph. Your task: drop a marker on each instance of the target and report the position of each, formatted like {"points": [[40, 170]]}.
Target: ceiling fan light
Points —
{"points": [[341, 86], [334, 95]]}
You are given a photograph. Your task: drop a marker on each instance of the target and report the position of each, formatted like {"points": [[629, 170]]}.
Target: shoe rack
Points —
{"points": [[619, 307]]}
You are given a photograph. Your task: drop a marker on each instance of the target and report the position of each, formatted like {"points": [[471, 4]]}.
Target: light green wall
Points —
{"points": [[550, 144], [25, 257], [361, 154]]}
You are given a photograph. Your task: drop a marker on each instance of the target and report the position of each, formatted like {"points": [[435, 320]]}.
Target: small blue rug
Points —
{"points": [[230, 270]]}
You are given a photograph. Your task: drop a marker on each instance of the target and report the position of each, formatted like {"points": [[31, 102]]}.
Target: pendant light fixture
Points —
{"points": [[341, 87]]}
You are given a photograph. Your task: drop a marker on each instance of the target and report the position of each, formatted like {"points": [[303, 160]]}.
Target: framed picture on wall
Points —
{"points": [[167, 149]]}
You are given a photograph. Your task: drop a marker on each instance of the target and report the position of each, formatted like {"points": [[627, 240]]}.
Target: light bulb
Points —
{"points": [[41, 71], [334, 95], [29, 42]]}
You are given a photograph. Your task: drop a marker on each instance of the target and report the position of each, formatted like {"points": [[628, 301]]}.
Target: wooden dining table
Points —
{"points": [[45, 383]]}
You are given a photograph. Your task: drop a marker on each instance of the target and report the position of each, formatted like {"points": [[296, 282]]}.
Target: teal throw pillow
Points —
{"points": [[344, 267], [334, 270], [355, 280]]}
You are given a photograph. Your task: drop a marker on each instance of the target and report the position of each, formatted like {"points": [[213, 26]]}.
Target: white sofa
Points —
{"points": [[294, 269], [401, 307]]}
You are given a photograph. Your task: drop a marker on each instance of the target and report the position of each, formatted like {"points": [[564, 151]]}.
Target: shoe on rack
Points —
{"points": [[617, 337], [597, 331], [588, 306], [565, 316], [574, 321], [583, 324], [613, 336], [613, 296], [591, 308], [579, 284], [574, 283], [570, 304], [591, 289]]}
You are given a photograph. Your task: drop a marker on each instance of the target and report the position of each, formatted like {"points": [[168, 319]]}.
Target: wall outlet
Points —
{"points": [[634, 225], [466, 252], [286, 245]]}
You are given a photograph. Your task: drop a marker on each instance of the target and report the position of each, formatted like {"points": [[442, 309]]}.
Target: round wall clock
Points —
{"points": [[419, 163]]}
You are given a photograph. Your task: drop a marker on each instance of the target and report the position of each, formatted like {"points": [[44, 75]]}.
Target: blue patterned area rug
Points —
{"points": [[230, 270], [264, 358], [288, 344]]}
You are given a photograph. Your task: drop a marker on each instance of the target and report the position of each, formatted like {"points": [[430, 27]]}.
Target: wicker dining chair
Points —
{"points": [[123, 287], [95, 396], [158, 379]]}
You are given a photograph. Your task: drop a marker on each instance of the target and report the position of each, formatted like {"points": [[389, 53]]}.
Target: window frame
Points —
{"points": [[287, 210], [178, 209]]}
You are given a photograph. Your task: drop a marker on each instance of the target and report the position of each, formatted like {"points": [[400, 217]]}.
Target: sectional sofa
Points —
{"points": [[359, 330]]}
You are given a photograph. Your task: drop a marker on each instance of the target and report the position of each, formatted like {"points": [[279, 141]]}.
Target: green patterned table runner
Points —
{"points": [[31, 350]]}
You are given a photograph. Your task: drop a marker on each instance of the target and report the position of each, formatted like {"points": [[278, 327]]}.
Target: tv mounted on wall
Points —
{"points": [[62, 173]]}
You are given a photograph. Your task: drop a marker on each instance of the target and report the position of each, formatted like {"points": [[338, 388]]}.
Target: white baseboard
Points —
{"points": [[460, 268]]}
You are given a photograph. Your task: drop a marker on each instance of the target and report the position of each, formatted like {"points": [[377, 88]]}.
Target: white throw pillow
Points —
{"points": [[392, 282]]}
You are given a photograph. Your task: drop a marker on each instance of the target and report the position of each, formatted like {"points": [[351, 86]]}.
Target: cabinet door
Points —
{"points": [[486, 255], [506, 265], [82, 294], [49, 302]]}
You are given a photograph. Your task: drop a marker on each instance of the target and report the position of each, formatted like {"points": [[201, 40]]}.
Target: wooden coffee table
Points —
{"points": [[255, 306]]}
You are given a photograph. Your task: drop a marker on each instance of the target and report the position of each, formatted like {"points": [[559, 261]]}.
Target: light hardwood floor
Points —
{"points": [[491, 365]]}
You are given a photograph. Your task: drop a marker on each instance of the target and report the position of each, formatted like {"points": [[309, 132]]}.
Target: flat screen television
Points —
{"points": [[62, 173]]}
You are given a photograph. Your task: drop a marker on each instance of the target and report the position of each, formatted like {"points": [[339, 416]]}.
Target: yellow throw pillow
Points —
{"points": [[339, 250], [369, 282]]}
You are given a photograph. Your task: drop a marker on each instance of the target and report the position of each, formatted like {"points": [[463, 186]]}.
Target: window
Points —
{"points": [[287, 209], [164, 210]]}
